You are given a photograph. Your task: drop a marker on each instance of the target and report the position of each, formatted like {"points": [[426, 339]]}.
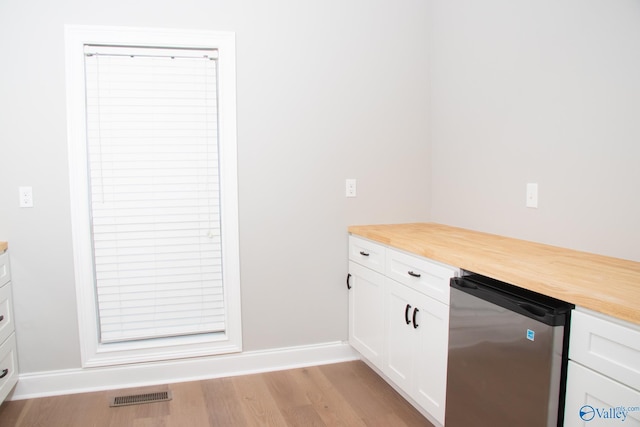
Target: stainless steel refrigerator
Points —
{"points": [[507, 355]]}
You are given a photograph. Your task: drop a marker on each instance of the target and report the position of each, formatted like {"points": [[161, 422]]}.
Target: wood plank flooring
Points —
{"points": [[342, 394]]}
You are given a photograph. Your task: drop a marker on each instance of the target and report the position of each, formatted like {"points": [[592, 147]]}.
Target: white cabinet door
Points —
{"points": [[366, 312], [6, 312], [431, 357], [400, 334], [8, 366], [416, 354], [594, 400]]}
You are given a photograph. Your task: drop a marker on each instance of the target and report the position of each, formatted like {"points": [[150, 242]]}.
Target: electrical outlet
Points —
{"points": [[26, 197], [351, 188]]}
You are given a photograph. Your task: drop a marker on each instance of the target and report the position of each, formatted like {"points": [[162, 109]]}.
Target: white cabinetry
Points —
{"points": [[399, 318], [8, 357], [366, 299], [416, 339], [603, 378], [417, 328]]}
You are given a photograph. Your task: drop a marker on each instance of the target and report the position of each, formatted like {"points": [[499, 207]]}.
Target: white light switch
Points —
{"points": [[532, 195], [26, 197], [351, 188]]}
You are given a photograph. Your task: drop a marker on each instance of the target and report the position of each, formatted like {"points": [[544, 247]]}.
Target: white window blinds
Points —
{"points": [[154, 191]]}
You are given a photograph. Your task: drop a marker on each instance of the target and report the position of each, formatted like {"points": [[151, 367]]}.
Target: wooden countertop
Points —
{"points": [[3, 246], [603, 284]]}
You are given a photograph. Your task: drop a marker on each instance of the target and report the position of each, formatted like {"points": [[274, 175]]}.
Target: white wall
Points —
{"points": [[538, 91], [526, 91], [326, 91]]}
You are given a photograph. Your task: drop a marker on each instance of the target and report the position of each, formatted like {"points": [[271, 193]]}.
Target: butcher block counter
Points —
{"points": [[3, 246], [604, 284]]}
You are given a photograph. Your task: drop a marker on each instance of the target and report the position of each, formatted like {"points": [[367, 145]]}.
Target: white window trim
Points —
{"points": [[92, 352]]}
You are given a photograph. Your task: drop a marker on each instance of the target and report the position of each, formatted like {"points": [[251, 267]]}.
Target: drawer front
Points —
{"points": [[8, 366], [428, 277], [6, 313], [367, 253], [594, 400], [5, 271], [606, 346]]}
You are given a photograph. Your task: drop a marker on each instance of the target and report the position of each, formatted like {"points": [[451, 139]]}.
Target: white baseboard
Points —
{"points": [[69, 381]]}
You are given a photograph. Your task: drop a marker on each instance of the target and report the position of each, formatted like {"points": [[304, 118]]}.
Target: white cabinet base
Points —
{"points": [[399, 321], [603, 378], [594, 400], [416, 353]]}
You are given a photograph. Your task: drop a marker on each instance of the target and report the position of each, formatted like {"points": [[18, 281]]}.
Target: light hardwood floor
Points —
{"points": [[341, 394]]}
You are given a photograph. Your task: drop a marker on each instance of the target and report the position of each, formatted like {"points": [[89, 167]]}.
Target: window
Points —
{"points": [[151, 123]]}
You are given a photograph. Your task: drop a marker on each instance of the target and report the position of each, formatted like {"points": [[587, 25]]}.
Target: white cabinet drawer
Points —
{"points": [[367, 253], [423, 275], [6, 313], [5, 270], [609, 346], [594, 400], [8, 366]]}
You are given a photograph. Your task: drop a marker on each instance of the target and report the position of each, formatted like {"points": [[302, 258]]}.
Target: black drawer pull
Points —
{"points": [[363, 253], [348, 284], [415, 311], [411, 273], [4, 373], [406, 314], [1, 317]]}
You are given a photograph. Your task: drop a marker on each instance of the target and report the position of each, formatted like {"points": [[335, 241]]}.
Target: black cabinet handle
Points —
{"points": [[4, 373], [348, 277], [415, 311], [1, 317], [411, 273], [363, 253], [406, 314]]}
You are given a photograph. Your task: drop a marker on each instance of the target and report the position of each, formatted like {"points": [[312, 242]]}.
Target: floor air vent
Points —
{"points": [[137, 399]]}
